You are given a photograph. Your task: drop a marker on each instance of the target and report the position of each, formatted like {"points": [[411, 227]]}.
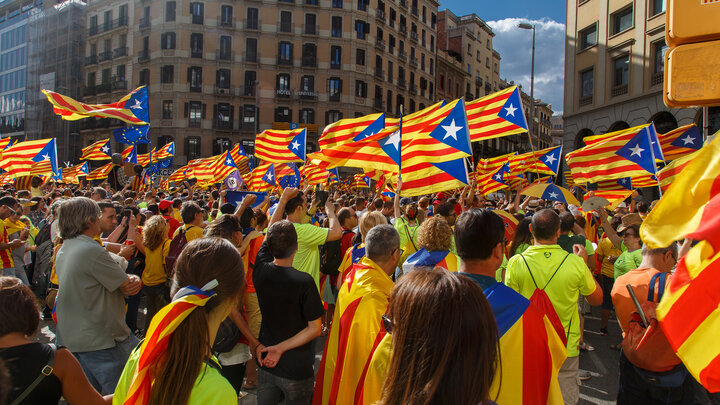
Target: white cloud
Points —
{"points": [[515, 44]]}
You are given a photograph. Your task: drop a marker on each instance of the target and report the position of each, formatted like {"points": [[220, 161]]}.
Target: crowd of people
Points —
{"points": [[181, 297]]}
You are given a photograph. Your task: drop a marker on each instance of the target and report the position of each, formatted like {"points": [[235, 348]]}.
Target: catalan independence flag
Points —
{"points": [[495, 115], [680, 141], [200, 169], [130, 154], [165, 152], [614, 196], [546, 161], [179, 175], [314, 174], [262, 178], [222, 167], [427, 178], [351, 129], [626, 153], [99, 150], [281, 146], [24, 157], [356, 331], [101, 172], [145, 158], [240, 158], [133, 108], [425, 258], [72, 174]]}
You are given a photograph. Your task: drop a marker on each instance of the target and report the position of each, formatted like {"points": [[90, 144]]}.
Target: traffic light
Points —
{"points": [[692, 64]]}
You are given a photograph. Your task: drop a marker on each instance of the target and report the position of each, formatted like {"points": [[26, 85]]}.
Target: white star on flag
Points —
{"points": [[498, 177], [688, 140], [137, 105], [510, 110], [394, 140], [549, 159], [46, 157], [228, 162], [295, 145], [637, 150], [451, 130], [269, 176], [553, 195], [105, 149]]}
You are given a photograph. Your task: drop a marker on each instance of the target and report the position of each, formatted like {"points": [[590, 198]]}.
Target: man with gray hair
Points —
{"points": [[361, 303], [90, 302]]}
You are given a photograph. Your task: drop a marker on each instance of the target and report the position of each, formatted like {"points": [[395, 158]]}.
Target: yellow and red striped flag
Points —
{"points": [[281, 146], [146, 158], [615, 197], [99, 150], [545, 161], [314, 174], [667, 174], [262, 178], [351, 129], [72, 174], [179, 175], [101, 172], [222, 167], [240, 158], [165, 152], [495, 115], [200, 169], [681, 141], [132, 108], [30, 157]]}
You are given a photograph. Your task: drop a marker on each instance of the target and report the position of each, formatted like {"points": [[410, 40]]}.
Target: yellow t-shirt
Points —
{"points": [[176, 215], [154, 273], [607, 249], [191, 232], [574, 278]]}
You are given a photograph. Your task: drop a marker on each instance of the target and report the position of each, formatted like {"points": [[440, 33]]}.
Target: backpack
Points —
{"points": [[176, 247], [542, 302], [43, 258], [331, 257], [646, 347], [227, 336]]}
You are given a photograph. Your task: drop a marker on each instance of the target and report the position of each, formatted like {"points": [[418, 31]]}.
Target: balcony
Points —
{"points": [[378, 104], [225, 56], [309, 61], [144, 55], [251, 57], [287, 28], [91, 60], [120, 52], [380, 15], [413, 88], [478, 81], [403, 4], [248, 91], [380, 44], [307, 94], [402, 55], [89, 91], [488, 87], [222, 125], [283, 93], [401, 83], [105, 56], [586, 100], [619, 90], [223, 91], [414, 37], [144, 23], [656, 79], [379, 73], [334, 97], [103, 88], [403, 30], [252, 25], [194, 123], [196, 53], [108, 26], [414, 11], [414, 62], [119, 85], [310, 29], [224, 22]]}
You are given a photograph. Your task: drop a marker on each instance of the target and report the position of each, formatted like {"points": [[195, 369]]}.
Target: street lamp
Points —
{"points": [[527, 26]]}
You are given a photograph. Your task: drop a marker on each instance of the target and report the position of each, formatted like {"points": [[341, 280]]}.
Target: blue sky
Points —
{"points": [[515, 44]]}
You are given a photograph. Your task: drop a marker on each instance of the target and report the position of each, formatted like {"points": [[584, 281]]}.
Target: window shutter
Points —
{"points": [[202, 114], [187, 109], [217, 77], [189, 74], [340, 86], [215, 112]]}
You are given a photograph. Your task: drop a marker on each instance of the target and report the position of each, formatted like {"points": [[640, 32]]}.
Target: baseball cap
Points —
{"points": [[164, 204]]}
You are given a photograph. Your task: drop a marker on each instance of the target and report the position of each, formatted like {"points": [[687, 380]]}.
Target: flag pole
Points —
{"points": [[402, 110]]}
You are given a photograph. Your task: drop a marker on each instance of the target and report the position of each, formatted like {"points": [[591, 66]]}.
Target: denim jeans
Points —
{"points": [[104, 367], [273, 390], [18, 271]]}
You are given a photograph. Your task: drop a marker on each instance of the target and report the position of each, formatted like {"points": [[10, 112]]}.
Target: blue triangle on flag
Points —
{"points": [[691, 139], [637, 150], [48, 152], [138, 104], [453, 129], [229, 160], [297, 144], [372, 129], [456, 168], [625, 182], [552, 159], [391, 146], [512, 110], [269, 176], [553, 192]]}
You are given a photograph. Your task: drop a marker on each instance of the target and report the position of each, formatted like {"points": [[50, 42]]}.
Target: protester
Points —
{"points": [[563, 276], [6, 247], [156, 246], [90, 300], [354, 254], [165, 208], [193, 219], [177, 364], [406, 223], [522, 238], [435, 243], [607, 254]]}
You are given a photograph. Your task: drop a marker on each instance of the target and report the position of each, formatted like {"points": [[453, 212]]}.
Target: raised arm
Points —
{"points": [[609, 231], [287, 194]]}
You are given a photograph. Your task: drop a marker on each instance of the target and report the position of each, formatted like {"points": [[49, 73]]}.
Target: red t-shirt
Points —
{"points": [[174, 225], [346, 241]]}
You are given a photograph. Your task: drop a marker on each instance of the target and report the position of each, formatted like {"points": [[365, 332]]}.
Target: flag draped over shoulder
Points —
{"points": [[30, 158], [355, 333], [495, 115], [281, 146], [99, 150], [133, 108], [424, 258]]}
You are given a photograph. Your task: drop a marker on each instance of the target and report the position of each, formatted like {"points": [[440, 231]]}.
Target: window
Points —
{"points": [[360, 89], [432, 44], [282, 85], [285, 54], [659, 49], [388, 107], [487, 62], [307, 116], [225, 53], [170, 11], [223, 116], [468, 68], [337, 3], [251, 54], [251, 21], [332, 116], [167, 40], [310, 26], [167, 109], [196, 45], [167, 74], [622, 20], [362, 28], [248, 119], [390, 71], [432, 66], [93, 23], [192, 147], [588, 37], [335, 57], [657, 7], [362, 5], [309, 55], [282, 114], [422, 62], [621, 67], [586, 84], [250, 79], [197, 11], [222, 78], [226, 16], [119, 73], [336, 27], [360, 57], [195, 114], [307, 83], [143, 78], [221, 144], [285, 21], [105, 76], [442, 82], [195, 78], [334, 88], [91, 79]]}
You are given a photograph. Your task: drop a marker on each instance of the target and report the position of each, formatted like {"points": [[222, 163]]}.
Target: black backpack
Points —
{"points": [[227, 336], [331, 256]]}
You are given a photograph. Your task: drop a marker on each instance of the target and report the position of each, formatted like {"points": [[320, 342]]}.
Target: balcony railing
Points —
{"points": [[282, 93], [108, 26], [380, 44], [307, 94], [225, 22], [144, 23], [478, 81], [488, 87], [403, 4], [657, 78], [251, 57], [414, 62], [619, 90], [403, 30], [380, 15], [144, 55], [119, 85], [91, 60], [120, 52], [413, 88], [284, 61], [104, 56], [310, 29], [222, 125], [252, 24], [89, 91], [414, 11], [401, 83], [285, 28], [224, 55], [334, 97], [586, 100], [223, 91], [414, 36], [196, 53], [402, 56], [309, 61], [103, 88], [379, 73]]}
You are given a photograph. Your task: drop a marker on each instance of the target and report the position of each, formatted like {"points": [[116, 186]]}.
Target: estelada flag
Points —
{"points": [[495, 115], [101, 172], [430, 259], [355, 333], [132, 108], [99, 150], [351, 129], [681, 141], [281, 146]]}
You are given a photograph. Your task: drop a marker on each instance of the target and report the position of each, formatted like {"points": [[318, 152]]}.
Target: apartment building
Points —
{"points": [[220, 71], [614, 65]]}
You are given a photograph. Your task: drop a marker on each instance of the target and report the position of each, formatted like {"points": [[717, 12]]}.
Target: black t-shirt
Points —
{"points": [[25, 362], [288, 300]]}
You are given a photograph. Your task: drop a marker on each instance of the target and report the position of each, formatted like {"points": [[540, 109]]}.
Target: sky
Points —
{"points": [[515, 44]]}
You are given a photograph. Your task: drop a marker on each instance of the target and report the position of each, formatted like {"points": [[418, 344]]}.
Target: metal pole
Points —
{"points": [[532, 91], [705, 126]]}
